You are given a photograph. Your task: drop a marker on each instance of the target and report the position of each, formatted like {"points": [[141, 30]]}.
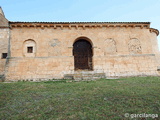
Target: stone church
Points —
{"points": [[77, 50]]}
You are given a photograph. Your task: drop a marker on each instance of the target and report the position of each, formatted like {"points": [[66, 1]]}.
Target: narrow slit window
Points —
{"points": [[29, 49], [4, 55]]}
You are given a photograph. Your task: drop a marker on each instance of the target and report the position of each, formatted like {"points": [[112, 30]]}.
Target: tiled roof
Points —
{"points": [[11, 22]]}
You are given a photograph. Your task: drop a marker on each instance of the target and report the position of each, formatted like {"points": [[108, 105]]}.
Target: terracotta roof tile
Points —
{"points": [[11, 22]]}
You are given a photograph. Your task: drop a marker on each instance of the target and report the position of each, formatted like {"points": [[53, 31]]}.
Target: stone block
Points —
{"points": [[69, 76], [54, 52]]}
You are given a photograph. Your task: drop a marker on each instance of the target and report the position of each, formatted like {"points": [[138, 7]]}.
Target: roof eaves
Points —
{"points": [[11, 22]]}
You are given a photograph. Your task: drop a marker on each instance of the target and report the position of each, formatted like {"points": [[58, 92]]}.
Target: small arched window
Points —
{"points": [[29, 48]]}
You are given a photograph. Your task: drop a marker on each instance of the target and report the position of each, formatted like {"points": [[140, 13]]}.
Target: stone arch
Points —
{"points": [[110, 46], [134, 46], [84, 38], [82, 52], [29, 48]]}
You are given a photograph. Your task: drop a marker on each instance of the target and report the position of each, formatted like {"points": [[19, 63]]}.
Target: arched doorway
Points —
{"points": [[82, 52]]}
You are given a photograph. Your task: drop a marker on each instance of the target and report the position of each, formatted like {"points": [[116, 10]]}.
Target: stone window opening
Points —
{"points": [[30, 49], [4, 55]]}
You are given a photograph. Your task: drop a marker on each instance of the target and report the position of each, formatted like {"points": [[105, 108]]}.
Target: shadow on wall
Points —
{"points": [[2, 78]]}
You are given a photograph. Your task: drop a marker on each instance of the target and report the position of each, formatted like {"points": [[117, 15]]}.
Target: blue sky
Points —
{"points": [[84, 10]]}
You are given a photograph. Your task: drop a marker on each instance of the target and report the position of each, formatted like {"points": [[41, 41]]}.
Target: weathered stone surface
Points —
{"points": [[54, 56], [3, 20], [119, 50], [88, 75], [4, 37], [110, 46], [134, 46], [69, 76]]}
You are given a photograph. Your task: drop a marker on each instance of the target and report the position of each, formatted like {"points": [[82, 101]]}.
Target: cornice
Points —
{"points": [[76, 25], [84, 22], [154, 30]]}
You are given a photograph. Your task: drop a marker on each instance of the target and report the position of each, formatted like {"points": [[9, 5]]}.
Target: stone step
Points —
{"points": [[84, 76], [69, 76]]}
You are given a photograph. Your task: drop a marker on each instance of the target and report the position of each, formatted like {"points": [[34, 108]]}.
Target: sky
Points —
{"points": [[83, 11]]}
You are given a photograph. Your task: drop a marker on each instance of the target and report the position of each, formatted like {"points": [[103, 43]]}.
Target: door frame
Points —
{"points": [[90, 42]]}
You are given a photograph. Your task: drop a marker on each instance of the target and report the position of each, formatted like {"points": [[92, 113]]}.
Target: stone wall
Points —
{"points": [[127, 65], [59, 42], [4, 36], [39, 68], [3, 21], [4, 39], [57, 67], [117, 51]]}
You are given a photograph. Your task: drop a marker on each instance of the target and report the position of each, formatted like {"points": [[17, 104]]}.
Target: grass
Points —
{"points": [[93, 100]]}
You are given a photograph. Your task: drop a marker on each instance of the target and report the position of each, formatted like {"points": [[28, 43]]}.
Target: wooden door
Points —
{"points": [[82, 51]]}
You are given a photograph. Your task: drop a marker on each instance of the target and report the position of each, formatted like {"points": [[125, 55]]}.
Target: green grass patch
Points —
{"points": [[88, 100]]}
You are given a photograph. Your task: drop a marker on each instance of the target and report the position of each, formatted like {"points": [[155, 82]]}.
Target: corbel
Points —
{"points": [[48, 26], [76, 26], [93, 25], [54, 26], [25, 25], [28, 26], [142, 26], [134, 26], [107, 26], [61, 27], [90, 26], [100, 26], [42, 27], [84, 27], [34, 26], [151, 30], [121, 26], [69, 27], [19, 26]]}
